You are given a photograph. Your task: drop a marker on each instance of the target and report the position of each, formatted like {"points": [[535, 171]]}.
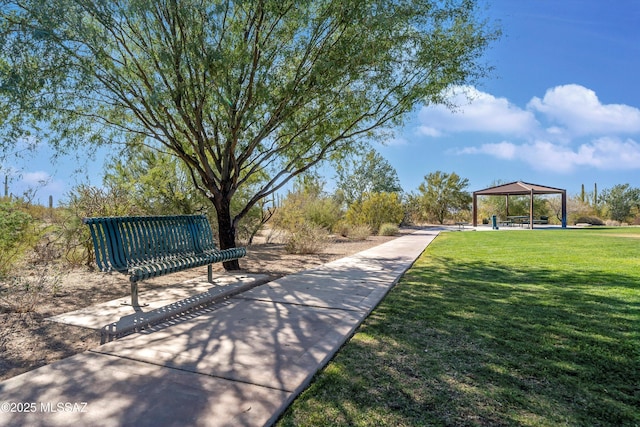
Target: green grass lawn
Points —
{"points": [[524, 328]]}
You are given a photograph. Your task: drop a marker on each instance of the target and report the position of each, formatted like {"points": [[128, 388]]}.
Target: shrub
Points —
{"points": [[388, 229], [23, 294], [301, 206], [375, 210], [359, 232], [591, 220], [323, 211], [342, 228], [88, 201], [16, 234], [308, 238]]}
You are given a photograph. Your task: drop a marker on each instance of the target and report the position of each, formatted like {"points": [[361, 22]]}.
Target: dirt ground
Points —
{"points": [[28, 340]]}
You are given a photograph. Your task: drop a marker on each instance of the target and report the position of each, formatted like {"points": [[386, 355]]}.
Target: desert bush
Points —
{"points": [[274, 235], [87, 201], [307, 239], [353, 232], [375, 210], [250, 225], [47, 248], [359, 232], [323, 211], [342, 228], [23, 294], [591, 220], [300, 207], [40, 212], [17, 234], [388, 229]]}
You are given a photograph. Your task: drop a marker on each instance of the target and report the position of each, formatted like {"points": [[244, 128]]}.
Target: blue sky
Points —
{"points": [[561, 109]]}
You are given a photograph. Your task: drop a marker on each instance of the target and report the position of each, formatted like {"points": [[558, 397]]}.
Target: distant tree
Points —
{"points": [[620, 200], [366, 174], [412, 207], [494, 205], [234, 89], [443, 195]]}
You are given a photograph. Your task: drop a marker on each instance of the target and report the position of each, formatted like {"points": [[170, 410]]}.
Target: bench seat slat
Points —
{"points": [[172, 264]]}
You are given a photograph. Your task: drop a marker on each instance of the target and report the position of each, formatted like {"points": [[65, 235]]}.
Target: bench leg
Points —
{"points": [[209, 273], [134, 297]]}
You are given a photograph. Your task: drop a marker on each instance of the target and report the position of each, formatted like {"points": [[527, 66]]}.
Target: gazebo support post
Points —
{"points": [[564, 209], [475, 210], [531, 211], [507, 204]]}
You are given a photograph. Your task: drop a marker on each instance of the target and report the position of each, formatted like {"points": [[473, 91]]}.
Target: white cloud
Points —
{"points": [[36, 178], [568, 129], [428, 131], [476, 111], [502, 150], [539, 155], [546, 156], [605, 153], [396, 141], [580, 111], [611, 153]]}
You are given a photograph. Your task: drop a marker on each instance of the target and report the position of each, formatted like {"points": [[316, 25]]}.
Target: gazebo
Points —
{"points": [[520, 188]]}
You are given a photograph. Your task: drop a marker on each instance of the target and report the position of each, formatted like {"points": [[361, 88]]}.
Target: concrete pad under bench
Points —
{"points": [[114, 317]]}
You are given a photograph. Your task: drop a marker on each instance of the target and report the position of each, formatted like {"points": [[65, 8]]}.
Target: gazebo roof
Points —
{"points": [[517, 188]]}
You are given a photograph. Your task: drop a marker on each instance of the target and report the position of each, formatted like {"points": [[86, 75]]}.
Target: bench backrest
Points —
{"points": [[124, 242]]}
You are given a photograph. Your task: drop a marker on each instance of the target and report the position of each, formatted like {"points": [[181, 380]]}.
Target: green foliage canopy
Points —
{"points": [[370, 173], [620, 200], [156, 182], [444, 194], [376, 209], [307, 203], [14, 230], [233, 88]]}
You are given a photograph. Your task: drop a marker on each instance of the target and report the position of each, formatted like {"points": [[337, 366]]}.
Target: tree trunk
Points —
{"points": [[227, 231]]}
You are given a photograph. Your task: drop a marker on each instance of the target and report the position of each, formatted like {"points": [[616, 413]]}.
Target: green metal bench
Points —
{"points": [[150, 246]]}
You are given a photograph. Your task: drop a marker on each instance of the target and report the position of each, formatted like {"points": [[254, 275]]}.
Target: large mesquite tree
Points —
{"points": [[232, 88]]}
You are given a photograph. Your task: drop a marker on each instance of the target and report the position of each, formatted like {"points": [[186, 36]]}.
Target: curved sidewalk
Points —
{"points": [[239, 362]]}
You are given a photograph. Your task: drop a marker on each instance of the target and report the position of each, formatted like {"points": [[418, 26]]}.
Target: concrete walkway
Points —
{"points": [[238, 362]]}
